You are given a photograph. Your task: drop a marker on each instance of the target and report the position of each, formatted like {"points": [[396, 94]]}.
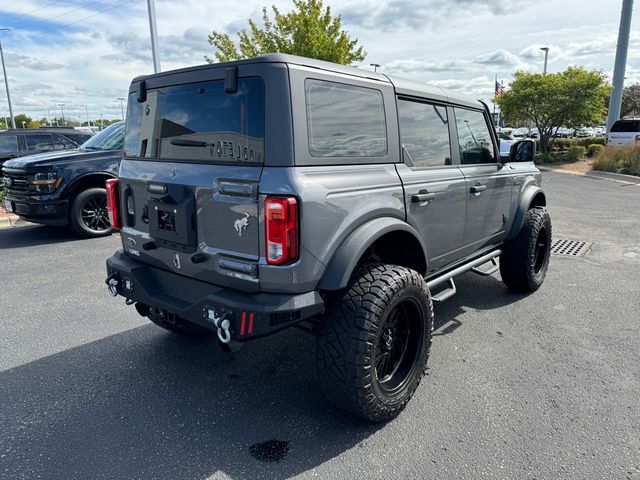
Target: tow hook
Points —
{"points": [[222, 325], [112, 285]]}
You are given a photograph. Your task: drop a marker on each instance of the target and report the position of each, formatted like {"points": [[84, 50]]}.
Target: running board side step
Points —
{"points": [[473, 266]]}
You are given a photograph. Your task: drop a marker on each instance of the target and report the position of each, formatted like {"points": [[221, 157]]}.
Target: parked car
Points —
{"points": [[564, 132], [278, 191], [66, 188], [20, 141], [623, 131], [505, 141]]}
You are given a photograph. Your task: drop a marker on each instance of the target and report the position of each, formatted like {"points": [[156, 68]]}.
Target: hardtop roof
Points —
{"points": [[402, 86]]}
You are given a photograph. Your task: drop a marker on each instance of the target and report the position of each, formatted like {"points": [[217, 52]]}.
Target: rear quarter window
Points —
{"points": [[345, 120]]}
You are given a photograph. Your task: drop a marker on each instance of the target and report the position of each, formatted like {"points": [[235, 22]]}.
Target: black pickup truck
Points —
{"points": [[66, 187]]}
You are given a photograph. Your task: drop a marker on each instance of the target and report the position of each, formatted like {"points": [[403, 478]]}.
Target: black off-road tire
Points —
{"points": [[525, 259], [80, 218], [352, 341]]}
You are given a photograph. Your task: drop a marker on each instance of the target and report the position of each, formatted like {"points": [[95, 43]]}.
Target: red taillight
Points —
{"points": [[112, 203], [281, 215]]}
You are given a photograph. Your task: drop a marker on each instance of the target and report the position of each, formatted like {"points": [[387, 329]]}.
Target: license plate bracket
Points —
{"points": [[8, 206]]}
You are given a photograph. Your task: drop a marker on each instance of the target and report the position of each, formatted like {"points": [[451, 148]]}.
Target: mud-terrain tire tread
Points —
{"points": [[517, 258], [347, 337]]}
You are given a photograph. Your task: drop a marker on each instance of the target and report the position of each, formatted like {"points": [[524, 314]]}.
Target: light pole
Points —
{"points": [[615, 101], [375, 66], [6, 81], [61, 105], [121, 106], [23, 123], [153, 31], [546, 57]]}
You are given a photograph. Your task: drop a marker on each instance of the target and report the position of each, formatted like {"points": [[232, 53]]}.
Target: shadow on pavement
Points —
{"points": [[149, 404], [34, 235], [474, 292]]}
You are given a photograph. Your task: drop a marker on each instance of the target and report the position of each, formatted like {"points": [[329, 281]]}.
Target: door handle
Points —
{"points": [[422, 196], [478, 188]]}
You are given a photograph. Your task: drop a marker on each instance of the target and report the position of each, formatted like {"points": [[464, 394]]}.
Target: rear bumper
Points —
{"points": [[251, 315], [45, 212]]}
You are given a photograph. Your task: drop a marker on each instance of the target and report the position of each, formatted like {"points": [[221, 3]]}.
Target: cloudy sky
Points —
{"points": [[85, 52]]}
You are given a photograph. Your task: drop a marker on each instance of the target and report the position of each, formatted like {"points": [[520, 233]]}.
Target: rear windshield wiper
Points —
{"points": [[183, 142]]}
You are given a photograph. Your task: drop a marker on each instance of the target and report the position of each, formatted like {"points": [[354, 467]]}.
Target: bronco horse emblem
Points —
{"points": [[241, 224]]}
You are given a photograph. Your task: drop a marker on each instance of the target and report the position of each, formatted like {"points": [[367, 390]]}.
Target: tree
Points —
{"points": [[567, 99], [631, 100], [308, 31], [22, 119]]}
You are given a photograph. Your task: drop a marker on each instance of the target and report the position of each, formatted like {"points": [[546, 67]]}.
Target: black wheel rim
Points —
{"points": [[398, 347], [94, 214], [541, 252]]}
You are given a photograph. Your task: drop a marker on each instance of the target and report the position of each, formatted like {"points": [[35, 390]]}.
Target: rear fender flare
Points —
{"points": [[346, 257]]}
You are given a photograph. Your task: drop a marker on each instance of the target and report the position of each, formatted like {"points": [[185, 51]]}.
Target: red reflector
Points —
{"points": [[281, 215], [242, 323], [251, 324], [112, 203]]}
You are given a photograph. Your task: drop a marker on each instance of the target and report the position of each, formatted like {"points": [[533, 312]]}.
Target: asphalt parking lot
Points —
{"points": [[542, 386]]}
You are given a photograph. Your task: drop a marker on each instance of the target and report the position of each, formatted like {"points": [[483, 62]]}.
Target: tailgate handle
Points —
{"points": [[237, 189]]}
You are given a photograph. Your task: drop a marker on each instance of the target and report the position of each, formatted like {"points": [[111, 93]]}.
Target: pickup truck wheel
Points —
{"points": [[88, 215], [525, 259], [374, 342]]}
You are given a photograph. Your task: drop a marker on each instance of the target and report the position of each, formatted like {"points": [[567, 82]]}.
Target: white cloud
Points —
{"points": [[457, 44]]}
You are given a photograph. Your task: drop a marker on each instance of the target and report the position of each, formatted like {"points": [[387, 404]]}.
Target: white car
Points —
{"points": [[624, 131], [505, 144]]}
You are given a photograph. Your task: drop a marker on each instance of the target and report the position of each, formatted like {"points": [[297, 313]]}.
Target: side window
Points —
{"points": [[424, 133], [62, 143], [8, 144], [345, 120], [39, 141], [474, 137]]}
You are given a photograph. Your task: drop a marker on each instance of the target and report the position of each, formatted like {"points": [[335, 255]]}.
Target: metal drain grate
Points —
{"points": [[574, 248]]}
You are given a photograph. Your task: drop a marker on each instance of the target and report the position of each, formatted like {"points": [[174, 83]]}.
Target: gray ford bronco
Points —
{"points": [[278, 191]]}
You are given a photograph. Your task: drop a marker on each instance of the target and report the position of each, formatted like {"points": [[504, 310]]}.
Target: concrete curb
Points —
{"points": [[12, 221], [616, 177]]}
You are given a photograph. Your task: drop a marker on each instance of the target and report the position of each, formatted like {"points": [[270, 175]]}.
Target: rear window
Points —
{"points": [[199, 122], [626, 126], [345, 120], [8, 143], [78, 138]]}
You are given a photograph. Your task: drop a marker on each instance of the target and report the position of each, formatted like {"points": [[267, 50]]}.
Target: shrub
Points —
{"points": [[619, 159], [586, 141], [594, 149], [575, 153], [542, 158]]}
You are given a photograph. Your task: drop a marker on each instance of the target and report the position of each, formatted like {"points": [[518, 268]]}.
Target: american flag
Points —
{"points": [[499, 88]]}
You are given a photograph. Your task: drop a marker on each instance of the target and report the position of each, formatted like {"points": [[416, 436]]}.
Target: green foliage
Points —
{"points": [[594, 149], [3, 193], [619, 159], [570, 98], [576, 153], [545, 157], [631, 100], [21, 118], [308, 31], [562, 144]]}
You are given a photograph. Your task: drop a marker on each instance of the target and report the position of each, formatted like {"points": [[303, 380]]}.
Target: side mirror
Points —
{"points": [[523, 151]]}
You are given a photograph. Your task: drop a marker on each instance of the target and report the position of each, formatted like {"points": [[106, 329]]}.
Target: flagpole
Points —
{"points": [[494, 101]]}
